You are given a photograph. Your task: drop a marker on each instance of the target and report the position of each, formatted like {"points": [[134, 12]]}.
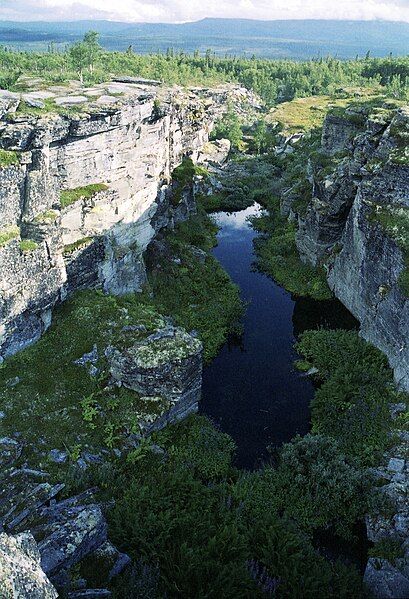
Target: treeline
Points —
{"points": [[274, 80]]}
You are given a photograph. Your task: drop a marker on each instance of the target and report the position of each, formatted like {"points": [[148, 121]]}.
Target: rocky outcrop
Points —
{"points": [[21, 574], [85, 187], [52, 536], [390, 577], [167, 364], [357, 224]]}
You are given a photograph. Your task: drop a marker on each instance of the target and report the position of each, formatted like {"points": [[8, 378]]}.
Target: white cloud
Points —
{"points": [[189, 10]]}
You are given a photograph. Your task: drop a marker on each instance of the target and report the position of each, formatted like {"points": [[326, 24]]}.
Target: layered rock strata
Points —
{"points": [[357, 225], [85, 187], [45, 537]]}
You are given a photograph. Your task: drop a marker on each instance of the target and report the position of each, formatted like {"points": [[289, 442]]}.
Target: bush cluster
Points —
{"points": [[352, 403]]}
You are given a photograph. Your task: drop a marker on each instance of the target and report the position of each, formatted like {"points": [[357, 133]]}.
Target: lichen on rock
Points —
{"points": [[21, 575]]}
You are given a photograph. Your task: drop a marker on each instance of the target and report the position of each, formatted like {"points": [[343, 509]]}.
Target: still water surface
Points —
{"points": [[251, 389]]}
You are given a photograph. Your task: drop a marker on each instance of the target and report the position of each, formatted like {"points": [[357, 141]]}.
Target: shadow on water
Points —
{"points": [[251, 389]]}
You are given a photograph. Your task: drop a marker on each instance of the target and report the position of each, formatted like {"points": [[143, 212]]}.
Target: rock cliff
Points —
{"points": [[356, 223], [84, 187]]}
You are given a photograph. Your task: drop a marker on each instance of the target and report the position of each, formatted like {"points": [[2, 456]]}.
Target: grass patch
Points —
{"points": [[70, 248], [195, 290], [46, 216], [300, 115], [69, 403], [305, 114], [352, 403], [69, 196], [278, 257], [28, 245], [9, 158], [50, 108], [8, 233]]}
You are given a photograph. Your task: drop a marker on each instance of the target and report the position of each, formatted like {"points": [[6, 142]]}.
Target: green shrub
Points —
{"points": [[196, 291], [28, 245], [314, 485], [229, 127], [170, 516], [8, 158], [329, 351], [390, 549], [277, 256], [183, 176], [204, 450], [213, 531], [69, 196], [319, 488], [352, 405]]}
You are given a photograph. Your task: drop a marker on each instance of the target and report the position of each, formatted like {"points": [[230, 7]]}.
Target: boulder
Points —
{"points": [[166, 364], [385, 581], [21, 575]]}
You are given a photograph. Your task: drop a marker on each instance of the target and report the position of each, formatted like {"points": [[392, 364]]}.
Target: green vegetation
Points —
{"points": [[274, 80], [183, 176], [69, 196], [229, 127], [277, 256], [395, 222], [352, 403], [83, 55], [8, 233], [214, 531], [192, 287], [70, 402], [8, 158], [246, 180], [306, 114], [28, 245], [76, 245], [389, 549], [46, 216], [195, 525]]}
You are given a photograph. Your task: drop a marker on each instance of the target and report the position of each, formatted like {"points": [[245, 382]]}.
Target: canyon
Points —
{"points": [[84, 191]]}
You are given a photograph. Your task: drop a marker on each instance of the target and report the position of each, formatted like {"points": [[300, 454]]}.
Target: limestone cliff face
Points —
{"points": [[122, 139], [357, 225]]}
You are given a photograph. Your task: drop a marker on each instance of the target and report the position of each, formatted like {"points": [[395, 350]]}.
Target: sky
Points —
{"points": [[191, 10]]}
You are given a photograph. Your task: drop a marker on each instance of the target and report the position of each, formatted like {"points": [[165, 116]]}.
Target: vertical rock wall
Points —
{"points": [[357, 226], [52, 244]]}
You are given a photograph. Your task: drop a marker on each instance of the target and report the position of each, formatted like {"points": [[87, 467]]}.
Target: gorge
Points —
{"points": [[102, 190]]}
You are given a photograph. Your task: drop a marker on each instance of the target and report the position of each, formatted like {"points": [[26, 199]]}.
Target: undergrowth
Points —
{"points": [[277, 256], [69, 196], [193, 287], [352, 404]]}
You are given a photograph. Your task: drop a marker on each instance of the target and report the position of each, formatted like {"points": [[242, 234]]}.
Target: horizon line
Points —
{"points": [[105, 20]]}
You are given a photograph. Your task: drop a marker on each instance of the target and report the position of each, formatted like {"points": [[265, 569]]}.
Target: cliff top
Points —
{"points": [[36, 98]]}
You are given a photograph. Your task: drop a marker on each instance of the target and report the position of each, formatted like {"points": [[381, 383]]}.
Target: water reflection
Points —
{"points": [[251, 389]]}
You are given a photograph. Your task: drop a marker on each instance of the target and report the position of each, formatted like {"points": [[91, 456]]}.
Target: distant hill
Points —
{"points": [[269, 39]]}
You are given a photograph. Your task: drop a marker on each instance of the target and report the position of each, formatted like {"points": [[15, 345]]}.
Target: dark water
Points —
{"points": [[251, 389]]}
